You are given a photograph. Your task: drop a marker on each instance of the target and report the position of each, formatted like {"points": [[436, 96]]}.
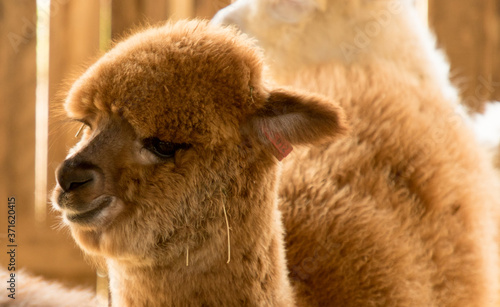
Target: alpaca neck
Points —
{"points": [[256, 274]]}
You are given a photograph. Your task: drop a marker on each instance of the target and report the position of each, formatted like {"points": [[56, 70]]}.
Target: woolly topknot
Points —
{"points": [[189, 68]]}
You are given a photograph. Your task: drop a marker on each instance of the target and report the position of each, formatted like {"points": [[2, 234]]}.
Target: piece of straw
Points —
{"points": [[79, 130], [228, 236]]}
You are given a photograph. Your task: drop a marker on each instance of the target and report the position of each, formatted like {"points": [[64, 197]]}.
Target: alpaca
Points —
{"points": [[403, 211], [34, 291], [354, 31], [173, 185]]}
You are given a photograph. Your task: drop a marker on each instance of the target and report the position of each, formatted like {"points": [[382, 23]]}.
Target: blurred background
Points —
{"points": [[43, 43]]}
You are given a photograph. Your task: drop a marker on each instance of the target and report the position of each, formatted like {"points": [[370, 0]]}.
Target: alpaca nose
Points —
{"points": [[75, 175]]}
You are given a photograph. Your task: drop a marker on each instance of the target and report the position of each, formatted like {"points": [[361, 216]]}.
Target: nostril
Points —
{"points": [[73, 175]]}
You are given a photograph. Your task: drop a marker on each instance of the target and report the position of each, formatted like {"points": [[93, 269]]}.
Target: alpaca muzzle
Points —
{"points": [[80, 192]]}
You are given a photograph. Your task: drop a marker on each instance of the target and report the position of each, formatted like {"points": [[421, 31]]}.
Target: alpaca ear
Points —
{"points": [[292, 118], [293, 11]]}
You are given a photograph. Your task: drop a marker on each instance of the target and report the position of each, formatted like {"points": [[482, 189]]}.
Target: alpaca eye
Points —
{"points": [[163, 149]]}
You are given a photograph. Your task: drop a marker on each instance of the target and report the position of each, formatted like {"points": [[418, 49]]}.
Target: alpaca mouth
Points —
{"points": [[102, 207]]}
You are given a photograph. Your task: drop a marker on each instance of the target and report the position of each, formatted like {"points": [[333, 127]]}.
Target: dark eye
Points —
{"points": [[163, 149]]}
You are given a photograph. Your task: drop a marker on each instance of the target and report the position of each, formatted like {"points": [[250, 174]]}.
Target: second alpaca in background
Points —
{"points": [[354, 31], [404, 212]]}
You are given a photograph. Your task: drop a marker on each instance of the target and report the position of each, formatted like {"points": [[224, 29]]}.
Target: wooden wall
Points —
{"points": [[17, 117], [467, 29]]}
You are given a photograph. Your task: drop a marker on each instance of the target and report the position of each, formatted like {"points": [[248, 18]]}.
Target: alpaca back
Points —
{"points": [[401, 212]]}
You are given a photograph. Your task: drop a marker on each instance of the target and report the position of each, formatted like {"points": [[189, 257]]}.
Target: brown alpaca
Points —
{"points": [[182, 131], [404, 211], [401, 213]]}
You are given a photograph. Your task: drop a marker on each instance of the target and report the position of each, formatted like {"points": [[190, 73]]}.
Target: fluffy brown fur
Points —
{"points": [[142, 210], [404, 211], [401, 213]]}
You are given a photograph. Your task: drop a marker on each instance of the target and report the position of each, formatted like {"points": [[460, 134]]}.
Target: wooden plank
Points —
{"points": [[181, 9], [128, 15], [131, 14], [208, 8], [17, 116], [468, 31], [74, 39], [494, 35]]}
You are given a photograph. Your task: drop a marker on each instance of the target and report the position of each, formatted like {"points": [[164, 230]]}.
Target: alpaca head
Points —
{"points": [[312, 31], [178, 120]]}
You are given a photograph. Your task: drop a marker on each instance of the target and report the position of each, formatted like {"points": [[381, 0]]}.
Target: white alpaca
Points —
{"points": [[354, 31], [36, 292]]}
